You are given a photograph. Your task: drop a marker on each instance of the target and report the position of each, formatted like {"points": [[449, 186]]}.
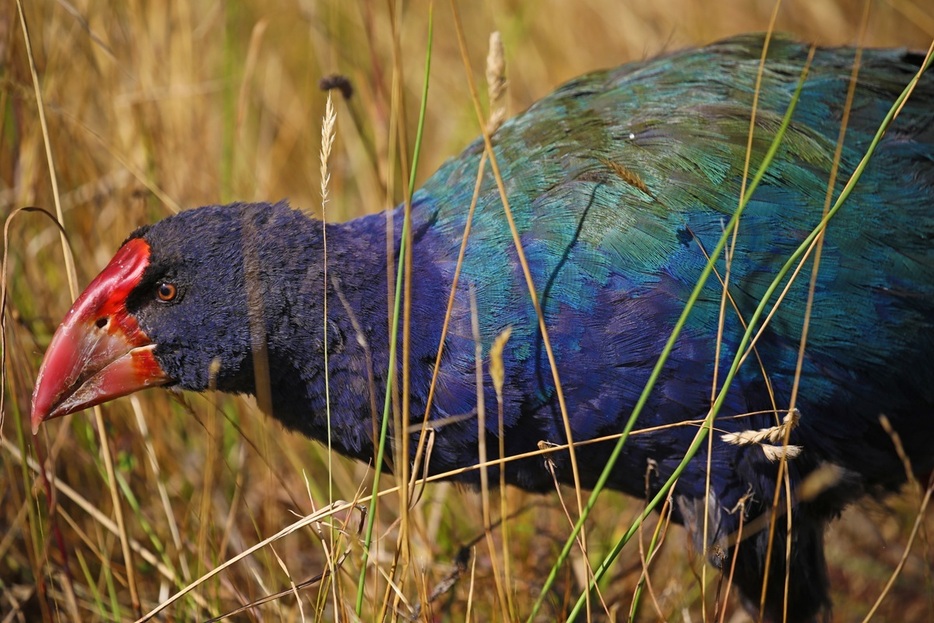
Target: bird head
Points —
{"points": [[170, 309]]}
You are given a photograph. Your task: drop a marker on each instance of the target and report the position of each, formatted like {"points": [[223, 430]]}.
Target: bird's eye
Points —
{"points": [[166, 291]]}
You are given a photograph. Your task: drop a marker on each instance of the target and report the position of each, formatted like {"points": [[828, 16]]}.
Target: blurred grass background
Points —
{"points": [[158, 106]]}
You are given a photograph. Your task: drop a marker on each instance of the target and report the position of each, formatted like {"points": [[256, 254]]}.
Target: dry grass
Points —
{"points": [[153, 107]]}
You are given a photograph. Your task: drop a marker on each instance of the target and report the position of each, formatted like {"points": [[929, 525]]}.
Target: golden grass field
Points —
{"points": [[152, 107]]}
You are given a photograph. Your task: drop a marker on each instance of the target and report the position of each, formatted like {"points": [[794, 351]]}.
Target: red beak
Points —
{"points": [[99, 352]]}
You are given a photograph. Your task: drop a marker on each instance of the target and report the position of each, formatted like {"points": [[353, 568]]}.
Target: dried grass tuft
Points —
{"points": [[765, 438]]}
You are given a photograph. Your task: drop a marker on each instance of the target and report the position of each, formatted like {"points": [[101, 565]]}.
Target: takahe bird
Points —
{"points": [[620, 184]]}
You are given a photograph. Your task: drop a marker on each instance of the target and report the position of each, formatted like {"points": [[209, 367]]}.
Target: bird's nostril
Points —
{"points": [[101, 322]]}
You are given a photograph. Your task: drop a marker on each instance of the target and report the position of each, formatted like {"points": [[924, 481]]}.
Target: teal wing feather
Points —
{"points": [[622, 181], [620, 185]]}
